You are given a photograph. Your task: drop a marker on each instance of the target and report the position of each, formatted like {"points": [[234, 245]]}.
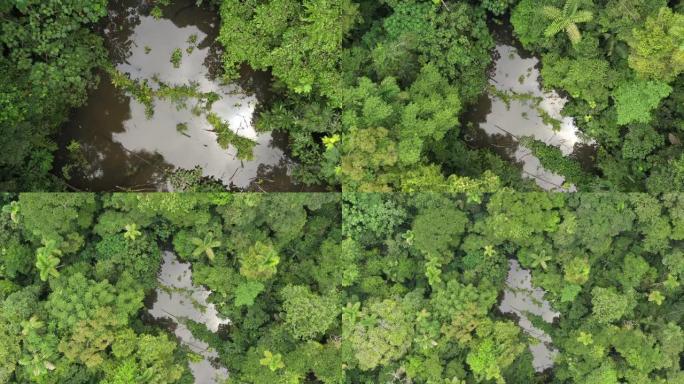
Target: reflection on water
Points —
{"points": [[126, 150], [179, 299], [521, 298], [501, 124]]}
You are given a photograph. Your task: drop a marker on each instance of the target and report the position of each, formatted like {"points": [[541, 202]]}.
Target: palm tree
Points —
{"points": [[47, 259], [132, 232], [205, 245], [540, 259], [567, 20]]}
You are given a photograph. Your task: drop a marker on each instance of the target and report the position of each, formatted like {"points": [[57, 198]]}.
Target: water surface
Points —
{"points": [[521, 298], [178, 299], [125, 149], [495, 124]]}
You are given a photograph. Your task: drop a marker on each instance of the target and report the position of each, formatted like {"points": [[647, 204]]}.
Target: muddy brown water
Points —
{"points": [[125, 150], [492, 123]]}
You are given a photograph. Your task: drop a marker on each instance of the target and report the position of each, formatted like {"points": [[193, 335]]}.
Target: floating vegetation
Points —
{"points": [[509, 96], [77, 159], [141, 91], [551, 157], [180, 95], [192, 40], [227, 137], [177, 57], [182, 128]]}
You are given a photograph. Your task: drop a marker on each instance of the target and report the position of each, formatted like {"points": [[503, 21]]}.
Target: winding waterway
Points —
{"points": [[126, 150], [123, 149], [497, 124], [522, 298], [178, 299]]}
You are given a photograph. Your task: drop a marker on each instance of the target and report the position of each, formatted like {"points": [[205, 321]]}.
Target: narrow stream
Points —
{"points": [[494, 124], [177, 299], [521, 298], [124, 149]]}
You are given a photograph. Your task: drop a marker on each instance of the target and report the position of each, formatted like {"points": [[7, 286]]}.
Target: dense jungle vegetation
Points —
{"points": [[75, 270], [371, 92], [358, 288]]}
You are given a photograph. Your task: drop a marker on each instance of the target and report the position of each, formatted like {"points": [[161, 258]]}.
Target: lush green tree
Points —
{"points": [[259, 262], [284, 36], [390, 130], [307, 315], [205, 246], [566, 19], [380, 333], [635, 100], [413, 299], [47, 57], [656, 48], [47, 260]]}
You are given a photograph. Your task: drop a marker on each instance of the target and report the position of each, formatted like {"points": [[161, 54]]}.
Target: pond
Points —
{"points": [[123, 149], [178, 299], [521, 298], [497, 124]]}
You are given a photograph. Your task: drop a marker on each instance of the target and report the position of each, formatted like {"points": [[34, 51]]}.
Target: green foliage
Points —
{"points": [[409, 288], [528, 25], [494, 353], [46, 67], [577, 271], [454, 39], [307, 315], [368, 215], [205, 245], [227, 137], [584, 78], [640, 141], [246, 292], [497, 7], [381, 333], [390, 130], [148, 359], [656, 48], [58, 217], [259, 262], [176, 57], [623, 72], [436, 229], [263, 34], [371, 94], [131, 232], [609, 305], [566, 19], [273, 362], [635, 100], [47, 260], [552, 158]]}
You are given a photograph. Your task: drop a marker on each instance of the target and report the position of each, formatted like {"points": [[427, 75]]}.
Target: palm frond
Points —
{"points": [[552, 13], [570, 7], [553, 28], [582, 17], [573, 33]]}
